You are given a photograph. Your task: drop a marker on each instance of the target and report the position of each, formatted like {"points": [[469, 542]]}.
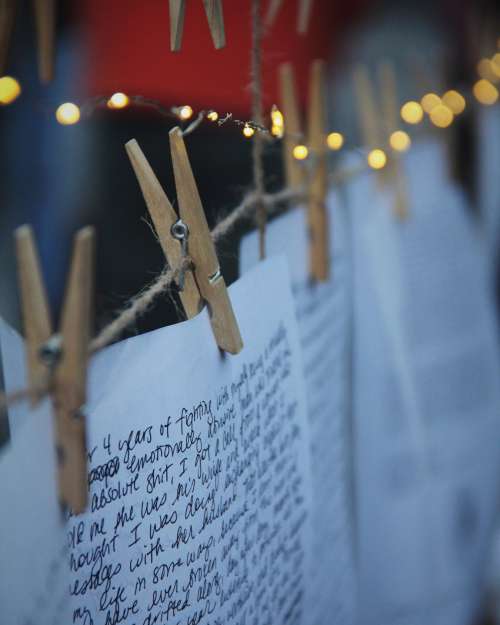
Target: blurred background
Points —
{"points": [[61, 176]]}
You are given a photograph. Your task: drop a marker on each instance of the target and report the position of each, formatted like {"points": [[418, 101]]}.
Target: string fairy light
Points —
{"points": [[10, 89], [277, 121], [335, 140], [213, 116], [485, 92], [118, 100], [377, 158], [400, 141], [411, 112], [300, 152], [248, 131], [441, 116], [454, 101], [429, 101], [68, 114], [185, 112]]}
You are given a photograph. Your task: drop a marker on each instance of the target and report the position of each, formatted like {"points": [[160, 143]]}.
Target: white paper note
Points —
{"points": [[33, 554], [427, 402], [323, 313], [199, 472], [14, 373]]}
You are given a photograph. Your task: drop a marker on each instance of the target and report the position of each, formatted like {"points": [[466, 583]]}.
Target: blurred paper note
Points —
{"points": [[427, 402], [323, 312]]}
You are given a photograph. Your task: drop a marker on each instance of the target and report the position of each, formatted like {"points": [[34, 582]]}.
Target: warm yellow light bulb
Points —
{"points": [[300, 152], [213, 116], [335, 140], [248, 131], [68, 114], [400, 141], [278, 123], [377, 159], [441, 116], [485, 92], [118, 101], [185, 112], [454, 101], [10, 89], [430, 101], [411, 112]]}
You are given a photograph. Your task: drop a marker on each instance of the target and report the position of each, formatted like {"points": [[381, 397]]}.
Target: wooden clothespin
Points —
{"points": [[164, 217], [207, 271], [318, 184], [215, 18], [293, 136], [303, 15], [206, 283], [45, 27], [369, 120], [67, 354], [387, 80]]}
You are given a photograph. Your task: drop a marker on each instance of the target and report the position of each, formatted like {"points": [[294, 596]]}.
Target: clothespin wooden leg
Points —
{"points": [[202, 250], [318, 185], [272, 10], [215, 17], [304, 16], [294, 172], [45, 15], [7, 15], [34, 308], [71, 374], [163, 216], [177, 11]]}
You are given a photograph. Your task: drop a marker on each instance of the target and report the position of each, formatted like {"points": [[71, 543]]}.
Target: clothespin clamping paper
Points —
{"points": [[294, 171], [303, 16], [205, 283], [318, 183], [45, 27], [59, 362], [215, 18]]}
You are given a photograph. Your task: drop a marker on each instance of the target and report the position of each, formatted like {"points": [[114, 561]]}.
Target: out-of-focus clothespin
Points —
{"points": [[164, 217], [215, 18], [59, 362], [370, 122], [318, 183], [293, 135], [387, 81], [201, 249], [45, 28], [303, 16]]}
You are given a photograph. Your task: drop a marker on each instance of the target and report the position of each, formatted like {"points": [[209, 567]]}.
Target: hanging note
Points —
{"points": [[199, 484], [323, 313], [426, 416]]}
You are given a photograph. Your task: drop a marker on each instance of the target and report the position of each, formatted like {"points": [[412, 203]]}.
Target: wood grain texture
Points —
{"points": [[202, 250], [34, 307], [70, 377], [163, 216], [318, 185]]}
